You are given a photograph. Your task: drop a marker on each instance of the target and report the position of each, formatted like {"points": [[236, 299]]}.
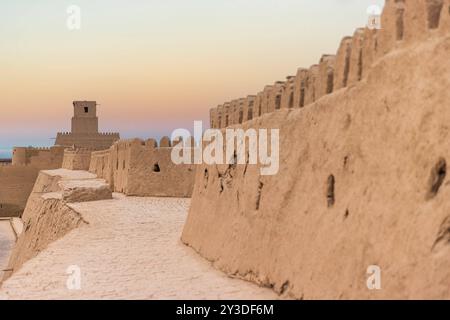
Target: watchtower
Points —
{"points": [[84, 118]]}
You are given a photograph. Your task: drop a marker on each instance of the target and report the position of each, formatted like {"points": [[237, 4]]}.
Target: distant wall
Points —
{"points": [[16, 183], [41, 158], [17, 180], [142, 168], [97, 141]]}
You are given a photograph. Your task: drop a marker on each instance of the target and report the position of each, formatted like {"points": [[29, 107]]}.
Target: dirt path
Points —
{"points": [[129, 250], [7, 240]]}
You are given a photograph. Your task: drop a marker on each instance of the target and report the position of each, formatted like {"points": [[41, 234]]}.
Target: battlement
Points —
{"points": [[403, 22]]}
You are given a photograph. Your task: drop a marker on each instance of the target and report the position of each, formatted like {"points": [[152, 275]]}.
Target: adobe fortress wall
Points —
{"points": [[363, 171], [17, 180], [142, 168]]}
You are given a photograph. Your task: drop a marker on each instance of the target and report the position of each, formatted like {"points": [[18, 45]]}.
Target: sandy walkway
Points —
{"points": [[129, 250], [7, 240]]}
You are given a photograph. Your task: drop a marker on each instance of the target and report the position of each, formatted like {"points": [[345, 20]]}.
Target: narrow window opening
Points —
{"points": [[250, 114], [278, 102], [330, 191], [400, 23], [434, 13], [360, 65], [347, 66], [330, 81], [156, 168], [302, 96], [86, 109], [291, 100]]}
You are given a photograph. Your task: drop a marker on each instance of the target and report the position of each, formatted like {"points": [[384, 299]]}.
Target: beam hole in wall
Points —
{"points": [[330, 191], [156, 168], [434, 8], [437, 177]]}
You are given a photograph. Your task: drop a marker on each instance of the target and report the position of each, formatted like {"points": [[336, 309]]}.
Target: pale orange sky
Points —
{"points": [[153, 65]]}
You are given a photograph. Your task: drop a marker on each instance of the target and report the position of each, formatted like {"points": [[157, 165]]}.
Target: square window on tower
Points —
{"points": [[86, 109]]}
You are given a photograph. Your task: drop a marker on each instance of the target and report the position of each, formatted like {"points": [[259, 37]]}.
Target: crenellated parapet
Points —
{"points": [[403, 23]]}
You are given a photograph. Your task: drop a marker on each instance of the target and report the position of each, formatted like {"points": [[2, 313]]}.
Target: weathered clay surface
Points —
{"points": [[384, 142]]}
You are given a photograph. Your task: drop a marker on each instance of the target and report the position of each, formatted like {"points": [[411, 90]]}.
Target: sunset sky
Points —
{"points": [[153, 65]]}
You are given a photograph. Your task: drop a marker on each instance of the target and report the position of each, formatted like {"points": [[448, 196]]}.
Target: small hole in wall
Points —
{"points": [[258, 197], [347, 213], [206, 178], [437, 177], [156, 168], [330, 191]]}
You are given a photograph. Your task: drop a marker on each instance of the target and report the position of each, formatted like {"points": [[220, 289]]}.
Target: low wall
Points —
{"points": [[78, 159], [142, 168], [17, 180], [362, 182], [48, 215]]}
